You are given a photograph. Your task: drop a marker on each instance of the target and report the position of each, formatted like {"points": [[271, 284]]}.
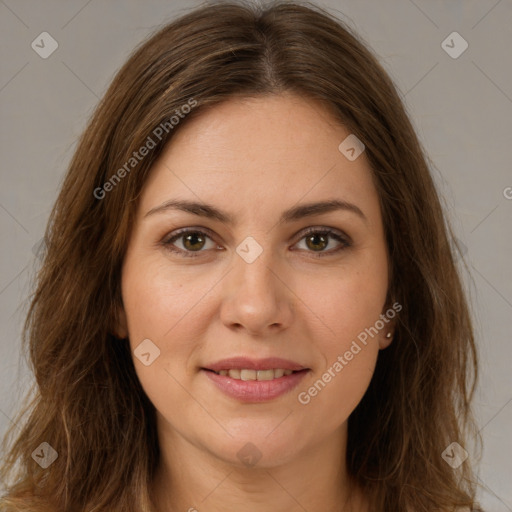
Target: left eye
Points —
{"points": [[193, 241], [315, 237]]}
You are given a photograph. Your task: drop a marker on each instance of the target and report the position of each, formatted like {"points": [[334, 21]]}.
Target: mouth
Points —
{"points": [[254, 380], [247, 374]]}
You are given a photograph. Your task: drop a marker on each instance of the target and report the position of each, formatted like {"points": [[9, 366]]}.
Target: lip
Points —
{"points": [[253, 390], [240, 363]]}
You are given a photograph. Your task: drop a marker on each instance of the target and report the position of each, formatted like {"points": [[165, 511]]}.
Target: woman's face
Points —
{"points": [[255, 284]]}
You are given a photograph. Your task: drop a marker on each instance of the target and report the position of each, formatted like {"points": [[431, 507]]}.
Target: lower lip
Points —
{"points": [[255, 390]]}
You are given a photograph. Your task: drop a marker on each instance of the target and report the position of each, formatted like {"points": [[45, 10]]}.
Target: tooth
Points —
{"points": [[248, 374], [234, 374], [265, 374]]}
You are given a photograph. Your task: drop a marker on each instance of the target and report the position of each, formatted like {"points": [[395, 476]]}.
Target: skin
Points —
{"points": [[255, 158]]}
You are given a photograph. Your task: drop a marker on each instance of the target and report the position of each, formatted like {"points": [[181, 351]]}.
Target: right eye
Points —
{"points": [[192, 241]]}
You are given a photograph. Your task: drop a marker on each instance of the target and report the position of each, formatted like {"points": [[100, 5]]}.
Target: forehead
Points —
{"points": [[268, 151]]}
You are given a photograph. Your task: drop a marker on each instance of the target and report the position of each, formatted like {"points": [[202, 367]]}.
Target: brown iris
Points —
{"points": [[316, 237], [190, 241]]}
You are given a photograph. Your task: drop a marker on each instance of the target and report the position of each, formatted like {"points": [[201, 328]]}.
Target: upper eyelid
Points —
{"points": [[302, 233], [185, 231]]}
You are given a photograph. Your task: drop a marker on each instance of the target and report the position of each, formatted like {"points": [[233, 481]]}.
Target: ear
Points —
{"points": [[120, 329], [386, 336], [391, 312], [388, 331]]}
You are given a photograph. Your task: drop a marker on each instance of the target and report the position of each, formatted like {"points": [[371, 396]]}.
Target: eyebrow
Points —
{"points": [[293, 214]]}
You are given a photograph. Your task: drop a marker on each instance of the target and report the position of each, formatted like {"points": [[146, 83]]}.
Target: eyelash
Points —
{"points": [[168, 242]]}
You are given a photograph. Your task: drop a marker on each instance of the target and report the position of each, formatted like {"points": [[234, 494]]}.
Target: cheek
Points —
{"points": [[330, 397], [349, 349], [159, 302], [161, 307], [345, 300], [347, 304]]}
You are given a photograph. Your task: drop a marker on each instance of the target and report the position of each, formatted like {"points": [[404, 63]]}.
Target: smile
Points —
{"points": [[247, 374], [255, 386]]}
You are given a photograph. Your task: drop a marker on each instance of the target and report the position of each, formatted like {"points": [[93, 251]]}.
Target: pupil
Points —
{"points": [[192, 236], [314, 237]]}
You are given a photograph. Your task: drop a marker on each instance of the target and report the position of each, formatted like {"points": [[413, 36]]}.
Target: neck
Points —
{"points": [[189, 478]]}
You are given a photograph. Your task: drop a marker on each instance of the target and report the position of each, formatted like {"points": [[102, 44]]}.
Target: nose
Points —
{"points": [[257, 297]]}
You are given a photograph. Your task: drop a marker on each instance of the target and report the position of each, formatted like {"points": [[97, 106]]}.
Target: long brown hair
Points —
{"points": [[88, 404]]}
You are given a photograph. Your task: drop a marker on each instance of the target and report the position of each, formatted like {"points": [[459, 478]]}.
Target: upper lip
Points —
{"points": [[241, 363]]}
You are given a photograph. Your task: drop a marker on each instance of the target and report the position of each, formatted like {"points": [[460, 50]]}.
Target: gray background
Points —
{"points": [[461, 108]]}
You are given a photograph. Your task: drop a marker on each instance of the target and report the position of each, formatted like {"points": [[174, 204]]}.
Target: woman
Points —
{"points": [[249, 299]]}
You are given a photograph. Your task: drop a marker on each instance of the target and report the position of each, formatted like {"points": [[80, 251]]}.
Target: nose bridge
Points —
{"points": [[257, 297], [257, 274], [254, 275]]}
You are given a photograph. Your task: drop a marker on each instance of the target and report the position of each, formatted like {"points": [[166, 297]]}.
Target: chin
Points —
{"points": [[256, 448]]}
